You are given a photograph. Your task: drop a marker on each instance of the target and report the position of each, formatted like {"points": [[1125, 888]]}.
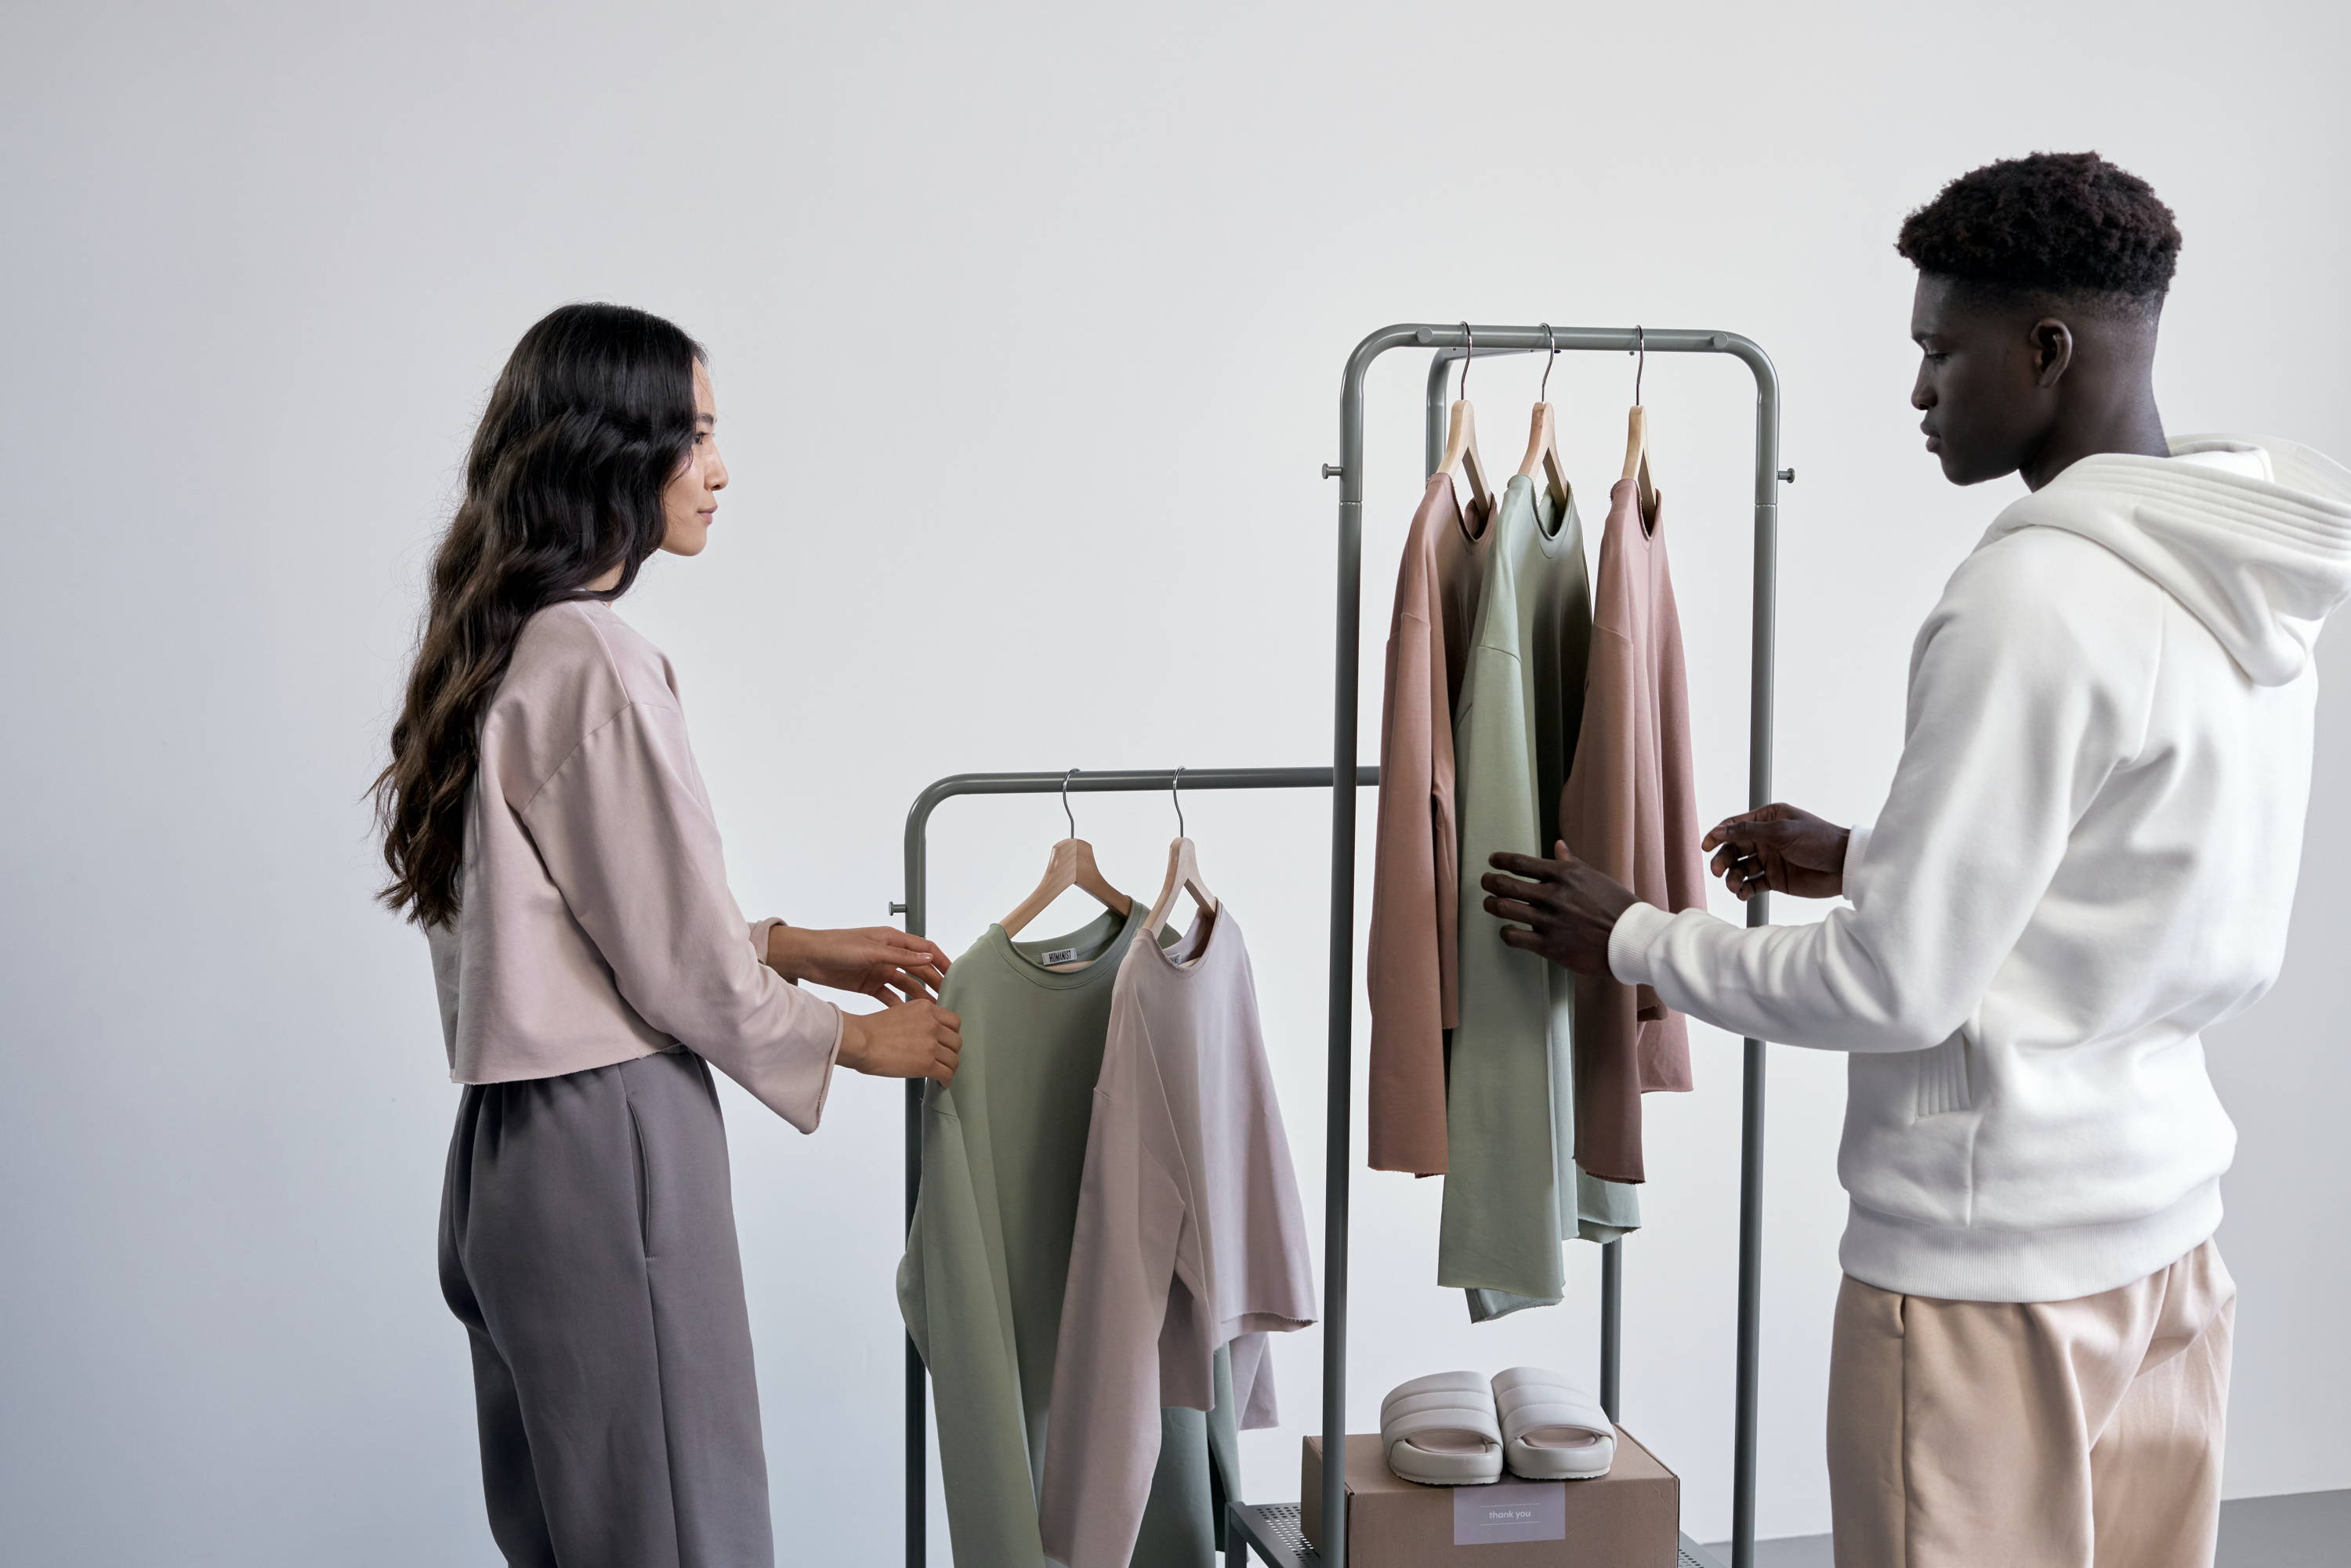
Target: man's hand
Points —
{"points": [[1779, 848], [917, 1039], [874, 961], [1564, 909]]}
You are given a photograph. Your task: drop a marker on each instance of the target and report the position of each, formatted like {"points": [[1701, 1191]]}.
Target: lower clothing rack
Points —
{"points": [[1272, 1530]]}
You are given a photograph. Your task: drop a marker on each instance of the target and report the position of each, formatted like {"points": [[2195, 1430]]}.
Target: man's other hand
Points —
{"points": [[1779, 848]]}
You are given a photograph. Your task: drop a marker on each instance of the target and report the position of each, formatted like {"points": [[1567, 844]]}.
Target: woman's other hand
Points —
{"points": [[916, 1038], [1779, 848], [873, 960]]}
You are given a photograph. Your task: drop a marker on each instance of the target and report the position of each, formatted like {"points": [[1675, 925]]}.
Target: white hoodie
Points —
{"points": [[2087, 858]]}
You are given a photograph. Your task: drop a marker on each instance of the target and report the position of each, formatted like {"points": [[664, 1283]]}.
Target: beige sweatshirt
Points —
{"points": [[1411, 967], [1189, 1236], [595, 923]]}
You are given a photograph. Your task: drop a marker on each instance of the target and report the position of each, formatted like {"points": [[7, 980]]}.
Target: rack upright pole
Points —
{"points": [[917, 910], [1761, 674]]}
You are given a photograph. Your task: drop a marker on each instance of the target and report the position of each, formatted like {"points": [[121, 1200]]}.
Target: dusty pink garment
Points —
{"points": [[1629, 809], [596, 925], [1415, 893], [1189, 1236]]}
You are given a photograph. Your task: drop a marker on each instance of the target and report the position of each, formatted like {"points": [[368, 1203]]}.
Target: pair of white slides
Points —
{"points": [[1460, 1429]]}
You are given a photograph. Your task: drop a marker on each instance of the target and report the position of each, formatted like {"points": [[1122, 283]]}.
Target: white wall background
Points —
{"points": [[1026, 323]]}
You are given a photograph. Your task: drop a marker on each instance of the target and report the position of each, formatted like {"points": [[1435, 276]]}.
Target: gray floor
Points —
{"points": [[2302, 1530]]}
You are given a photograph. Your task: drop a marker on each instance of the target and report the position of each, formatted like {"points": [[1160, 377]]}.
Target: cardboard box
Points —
{"points": [[1629, 1518]]}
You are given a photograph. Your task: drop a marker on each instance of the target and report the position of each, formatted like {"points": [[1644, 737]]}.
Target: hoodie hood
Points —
{"points": [[2251, 535]]}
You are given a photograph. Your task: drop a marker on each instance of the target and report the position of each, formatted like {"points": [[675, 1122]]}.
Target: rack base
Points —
{"points": [[1273, 1532]]}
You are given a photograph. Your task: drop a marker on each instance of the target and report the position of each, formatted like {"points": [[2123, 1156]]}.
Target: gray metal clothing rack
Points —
{"points": [[1271, 1530]]}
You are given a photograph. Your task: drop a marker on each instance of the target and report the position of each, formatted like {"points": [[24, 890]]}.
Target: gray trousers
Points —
{"points": [[588, 1246]]}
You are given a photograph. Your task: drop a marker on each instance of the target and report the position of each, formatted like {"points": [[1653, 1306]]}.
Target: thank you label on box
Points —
{"points": [[1509, 1510]]}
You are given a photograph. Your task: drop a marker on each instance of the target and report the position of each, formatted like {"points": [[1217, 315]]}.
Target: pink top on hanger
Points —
{"points": [[1630, 810]]}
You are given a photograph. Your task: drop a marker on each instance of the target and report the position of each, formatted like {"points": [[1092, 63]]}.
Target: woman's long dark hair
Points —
{"points": [[591, 418]]}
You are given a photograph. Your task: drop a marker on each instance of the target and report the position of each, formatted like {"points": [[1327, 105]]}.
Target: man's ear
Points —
{"points": [[2053, 350]]}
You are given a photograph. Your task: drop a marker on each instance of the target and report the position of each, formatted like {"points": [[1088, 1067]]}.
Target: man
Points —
{"points": [[2087, 858]]}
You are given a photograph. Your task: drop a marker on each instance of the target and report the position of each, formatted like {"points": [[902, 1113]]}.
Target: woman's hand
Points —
{"points": [[874, 961], [1779, 848], [917, 1039], [1564, 909]]}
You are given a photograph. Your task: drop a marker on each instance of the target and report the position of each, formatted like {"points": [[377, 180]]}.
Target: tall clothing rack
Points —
{"points": [[1271, 1530]]}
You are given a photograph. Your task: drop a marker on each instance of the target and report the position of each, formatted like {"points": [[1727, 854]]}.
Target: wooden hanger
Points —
{"points": [[1071, 865], [1183, 873], [1637, 436], [1461, 437], [1542, 437]]}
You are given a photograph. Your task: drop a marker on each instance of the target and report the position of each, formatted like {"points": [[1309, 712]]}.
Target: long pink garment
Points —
{"points": [[1189, 1236], [1629, 809], [1410, 968]]}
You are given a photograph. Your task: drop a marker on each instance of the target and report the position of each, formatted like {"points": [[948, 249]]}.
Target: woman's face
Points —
{"points": [[692, 498]]}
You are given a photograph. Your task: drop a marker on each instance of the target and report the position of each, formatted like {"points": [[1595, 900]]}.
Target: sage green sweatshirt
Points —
{"points": [[987, 1257], [1512, 1192]]}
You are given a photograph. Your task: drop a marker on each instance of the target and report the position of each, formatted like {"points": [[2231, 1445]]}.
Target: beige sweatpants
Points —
{"points": [[2082, 1434]]}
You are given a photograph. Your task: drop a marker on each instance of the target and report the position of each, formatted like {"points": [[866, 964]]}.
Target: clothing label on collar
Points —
{"points": [[1520, 1510], [1062, 956]]}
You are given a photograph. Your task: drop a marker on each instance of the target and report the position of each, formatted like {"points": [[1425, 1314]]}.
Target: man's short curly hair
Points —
{"points": [[2059, 224]]}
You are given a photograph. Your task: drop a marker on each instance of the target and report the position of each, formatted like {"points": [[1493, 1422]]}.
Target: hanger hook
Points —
{"points": [[1175, 788], [1640, 348], [1468, 352], [1073, 773], [1544, 395]]}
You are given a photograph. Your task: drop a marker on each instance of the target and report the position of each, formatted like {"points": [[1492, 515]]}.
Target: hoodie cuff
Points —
{"points": [[1631, 940], [1856, 847]]}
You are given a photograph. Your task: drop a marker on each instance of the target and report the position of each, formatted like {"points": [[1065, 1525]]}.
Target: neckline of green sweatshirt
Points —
{"points": [[1105, 933], [1550, 517]]}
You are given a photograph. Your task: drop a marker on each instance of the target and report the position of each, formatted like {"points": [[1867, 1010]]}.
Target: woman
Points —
{"points": [[544, 821]]}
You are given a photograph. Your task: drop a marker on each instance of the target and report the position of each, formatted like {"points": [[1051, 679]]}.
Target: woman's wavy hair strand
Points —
{"points": [[591, 418]]}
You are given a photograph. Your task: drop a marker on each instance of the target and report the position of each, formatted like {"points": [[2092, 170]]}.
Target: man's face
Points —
{"points": [[1987, 380]]}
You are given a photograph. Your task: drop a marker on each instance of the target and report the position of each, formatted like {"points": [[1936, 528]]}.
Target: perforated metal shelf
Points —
{"points": [[1274, 1532]]}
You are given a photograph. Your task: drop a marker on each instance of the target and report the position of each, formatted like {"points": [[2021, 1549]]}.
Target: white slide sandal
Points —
{"points": [[1551, 1430], [1440, 1431]]}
